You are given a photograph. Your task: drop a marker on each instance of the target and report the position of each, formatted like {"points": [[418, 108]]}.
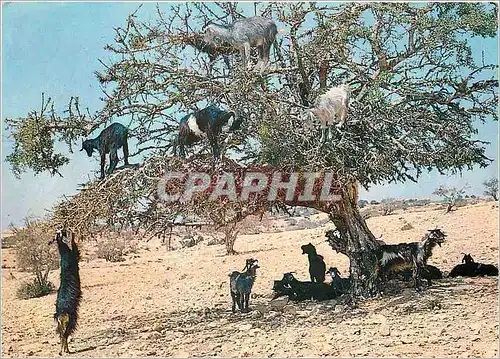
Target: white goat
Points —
{"points": [[332, 107]]}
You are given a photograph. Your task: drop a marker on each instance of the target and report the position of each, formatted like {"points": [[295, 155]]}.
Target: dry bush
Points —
{"points": [[116, 246], [35, 255], [388, 206]]}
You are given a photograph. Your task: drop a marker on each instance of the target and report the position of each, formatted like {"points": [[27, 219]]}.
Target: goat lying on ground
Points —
{"points": [[408, 255], [208, 122], [299, 291], [340, 285], [254, 31], [317, 266], [469, 268], [429, 272], [241, 285], [109, 141], [69, 292], [332, 107]]}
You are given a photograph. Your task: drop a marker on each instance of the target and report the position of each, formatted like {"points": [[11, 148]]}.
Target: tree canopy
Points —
{"points": [[418, 90]]}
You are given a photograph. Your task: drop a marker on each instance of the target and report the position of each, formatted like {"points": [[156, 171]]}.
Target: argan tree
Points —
{"points": [[491, 188], [417, 91]]}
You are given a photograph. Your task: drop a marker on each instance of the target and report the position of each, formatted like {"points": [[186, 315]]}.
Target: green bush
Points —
{"points": [[35, 289]]}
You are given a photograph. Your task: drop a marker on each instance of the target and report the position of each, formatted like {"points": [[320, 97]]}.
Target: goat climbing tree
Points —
{"points": [[418, 89]]}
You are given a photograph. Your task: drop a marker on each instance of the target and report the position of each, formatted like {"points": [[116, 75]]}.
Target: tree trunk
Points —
{"points": [[353, 238]]}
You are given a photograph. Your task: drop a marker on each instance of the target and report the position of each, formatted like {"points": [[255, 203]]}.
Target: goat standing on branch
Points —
{"points": [[69, 292], [254, 31], [209, 122], [408, 255], [109, 141], [332, 107]]}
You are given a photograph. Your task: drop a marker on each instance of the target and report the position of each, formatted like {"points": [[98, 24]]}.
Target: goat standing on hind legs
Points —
{"points": [[408, 255], [69, 292], [109, 141]]}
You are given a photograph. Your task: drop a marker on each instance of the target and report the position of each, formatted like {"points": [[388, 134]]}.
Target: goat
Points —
{"points": [[339, 284], [298, 291], [408, 255], [241, 285], [331, 107], [69, 292], [317, 266], [429, 272], [469, 268], [109, 141], [208, 122], [250, 32], [212, 50]]}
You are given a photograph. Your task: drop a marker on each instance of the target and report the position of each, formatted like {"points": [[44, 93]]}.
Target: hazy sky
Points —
{"points": [[55, 47]]}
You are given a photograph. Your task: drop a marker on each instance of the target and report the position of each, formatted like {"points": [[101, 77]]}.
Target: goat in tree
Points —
{"points": [[408, 255], [109, 141], [246, 33], [69, 292], [208, 122], [332, 107]]}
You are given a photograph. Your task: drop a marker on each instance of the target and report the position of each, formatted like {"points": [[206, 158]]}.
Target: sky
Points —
{"points": [[54, 48]]}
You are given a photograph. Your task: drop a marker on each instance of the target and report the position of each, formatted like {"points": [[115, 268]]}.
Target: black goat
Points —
{"points": [[109, 141], [69, 292], [208, 122], [469, 268], [299, 291], [408, 255], [241, 285], [317, 266], [340, 285]]}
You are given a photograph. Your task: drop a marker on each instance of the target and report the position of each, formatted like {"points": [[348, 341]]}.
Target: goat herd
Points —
{"points": [[400, 261], [393, 261], [210, 122]]}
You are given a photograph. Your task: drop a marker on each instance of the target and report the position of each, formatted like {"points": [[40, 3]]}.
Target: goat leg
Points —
{"points": [[103, 162], [417, 272]]}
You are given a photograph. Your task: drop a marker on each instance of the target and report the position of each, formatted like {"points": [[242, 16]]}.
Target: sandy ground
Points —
{"points": [[160, 303]]}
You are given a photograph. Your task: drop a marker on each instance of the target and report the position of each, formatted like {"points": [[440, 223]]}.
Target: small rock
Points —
{"points": [[338, 309], [290, 309], [30, 353], [357, 332], [244, 327], [406, 227], [150, 354], [255, 314], [272, 315], [278, 303], [385, 330], [158, 327], [303, 313]]}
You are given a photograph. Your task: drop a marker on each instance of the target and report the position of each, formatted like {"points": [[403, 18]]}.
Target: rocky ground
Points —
{"points": [[176, 303]]}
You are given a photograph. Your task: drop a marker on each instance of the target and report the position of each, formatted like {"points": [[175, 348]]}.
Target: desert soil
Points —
{"points": [[176, 303]]}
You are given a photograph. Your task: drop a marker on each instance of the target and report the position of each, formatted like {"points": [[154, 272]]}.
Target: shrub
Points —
{"points": [[112, 250], [116, 246], [35, 255], [35, 289], [388, 206]]}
